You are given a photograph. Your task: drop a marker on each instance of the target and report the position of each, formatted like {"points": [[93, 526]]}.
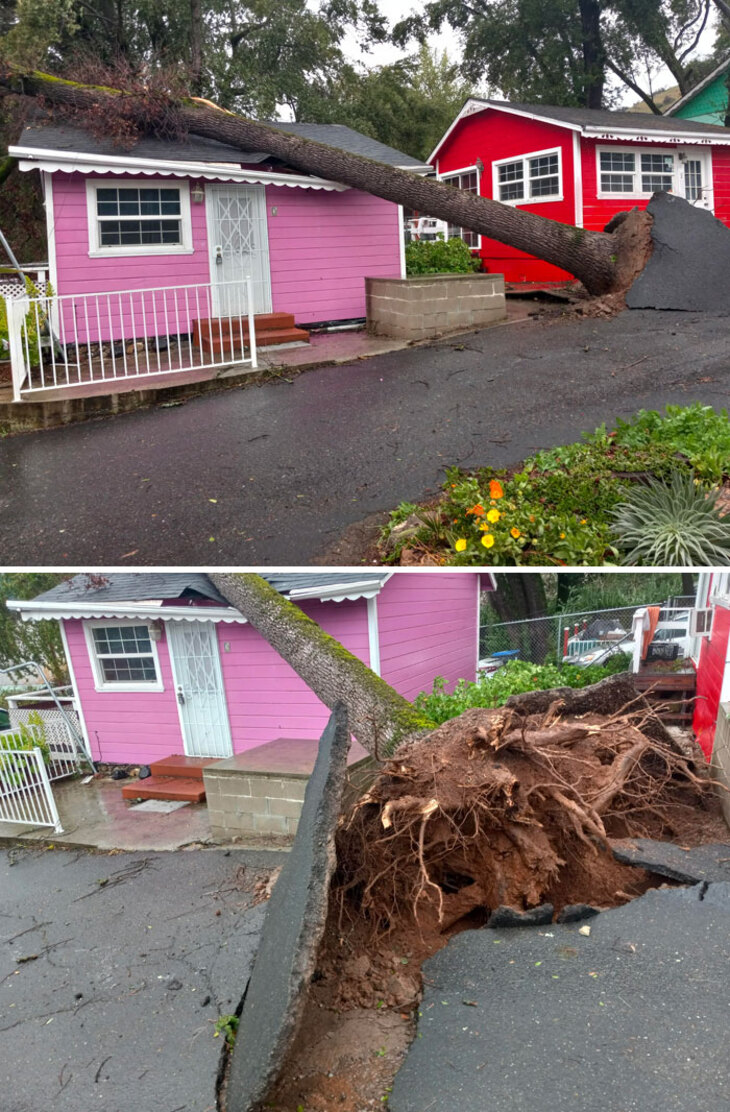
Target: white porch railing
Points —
{"points": [[128, 335], [64, 757], [26, 796]]}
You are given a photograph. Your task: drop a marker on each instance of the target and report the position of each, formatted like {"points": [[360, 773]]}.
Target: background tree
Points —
{"points": [[39, 641], [563, 51]]}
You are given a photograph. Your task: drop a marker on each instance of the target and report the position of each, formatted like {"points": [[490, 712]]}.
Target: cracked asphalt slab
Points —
{"points": [[632, 1017], [275, 474], [113, 971]]}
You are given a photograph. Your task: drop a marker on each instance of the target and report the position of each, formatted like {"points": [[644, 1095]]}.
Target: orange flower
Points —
{"points": [[515, 532], [495, 489], [477, 510]]}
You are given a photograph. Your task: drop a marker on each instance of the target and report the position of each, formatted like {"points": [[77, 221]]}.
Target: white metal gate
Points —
{"points": [[196, 670], [238, 239], [26, 796]]}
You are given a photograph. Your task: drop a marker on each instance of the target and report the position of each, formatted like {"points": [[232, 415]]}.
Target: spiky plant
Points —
{"points": [[673, 524]]}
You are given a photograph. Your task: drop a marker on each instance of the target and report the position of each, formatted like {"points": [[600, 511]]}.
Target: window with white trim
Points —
{"points": [[534, 177], [134, 218], [124, 656], [636, 173], [468, 180]]}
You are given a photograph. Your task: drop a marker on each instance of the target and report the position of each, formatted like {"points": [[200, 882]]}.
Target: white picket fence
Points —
{"points": [[26, 795], [128, 335]]}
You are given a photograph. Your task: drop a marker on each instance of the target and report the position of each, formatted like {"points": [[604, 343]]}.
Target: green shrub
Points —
{"points": [[674, 524], [514, 678], [440, 257], [33, 323], [696, 431]]}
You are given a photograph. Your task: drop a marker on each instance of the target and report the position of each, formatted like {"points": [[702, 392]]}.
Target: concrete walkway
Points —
{"points": [[275, 474], [630, 1017], [113, 972]]}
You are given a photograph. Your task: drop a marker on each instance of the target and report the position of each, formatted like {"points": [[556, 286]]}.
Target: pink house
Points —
{"points": [[160, 664], [163, 251]]}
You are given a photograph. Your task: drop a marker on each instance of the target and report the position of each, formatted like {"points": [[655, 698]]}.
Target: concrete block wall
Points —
{"points": [[721, 756], [245, 805], [431, 304]]}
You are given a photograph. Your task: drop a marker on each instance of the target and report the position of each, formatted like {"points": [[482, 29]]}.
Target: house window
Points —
{"points": [[534, 177], [468, 180], [138, 218], [636, 173], [124, 657]]}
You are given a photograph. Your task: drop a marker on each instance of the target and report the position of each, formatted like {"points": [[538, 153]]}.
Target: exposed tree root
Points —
{"points": [[509, 807]]}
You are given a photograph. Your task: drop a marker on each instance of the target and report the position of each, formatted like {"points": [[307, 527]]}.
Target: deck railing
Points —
{"points": [[25, 710], [128, 335], [26, 796]]}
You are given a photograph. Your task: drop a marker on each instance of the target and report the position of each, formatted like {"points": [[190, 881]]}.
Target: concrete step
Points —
{"points": [[223, 326], [189, 768], [186, 790]]}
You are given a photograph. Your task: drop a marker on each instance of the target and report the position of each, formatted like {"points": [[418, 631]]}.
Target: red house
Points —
{"points": [[577, 165]]}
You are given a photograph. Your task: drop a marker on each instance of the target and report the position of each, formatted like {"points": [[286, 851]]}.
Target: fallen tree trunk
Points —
{"points": [[602, 262]]}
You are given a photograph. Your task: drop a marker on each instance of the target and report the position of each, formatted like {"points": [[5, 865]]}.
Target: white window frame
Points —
{"points": [[455, 174], [96, 251], [525, 160], [720, 593], [101, 684], [637, 151]]}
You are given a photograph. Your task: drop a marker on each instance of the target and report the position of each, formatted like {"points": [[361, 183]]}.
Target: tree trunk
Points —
{"points": [[593, 257], [196, 47], [379, 717], [594, 56]]}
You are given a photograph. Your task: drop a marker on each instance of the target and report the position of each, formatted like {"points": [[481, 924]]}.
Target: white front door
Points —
{"points": [[695, 177], [201, 699], [238, 241]]}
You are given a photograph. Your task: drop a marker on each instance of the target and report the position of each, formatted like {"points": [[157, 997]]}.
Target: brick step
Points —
{"points": [[263, 322], [189, 768], [185, 790], [263, 339], [677, 682]]}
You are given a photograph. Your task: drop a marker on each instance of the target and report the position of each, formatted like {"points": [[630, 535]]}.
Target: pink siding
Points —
{"points": [[266, 697], [428, 628], [125, 727], [324, 245]]}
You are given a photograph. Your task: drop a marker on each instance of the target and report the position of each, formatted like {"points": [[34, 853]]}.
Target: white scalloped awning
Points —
{"points": [[153, 610], [70, 162]]}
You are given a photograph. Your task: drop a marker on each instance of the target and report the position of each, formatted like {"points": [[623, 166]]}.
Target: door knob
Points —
{"points": [[219, 256], [180, 697]]}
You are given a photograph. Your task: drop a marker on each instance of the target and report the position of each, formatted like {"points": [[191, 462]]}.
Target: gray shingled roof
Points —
{"points": [[603, 118], [60, 137], [146, 586]]}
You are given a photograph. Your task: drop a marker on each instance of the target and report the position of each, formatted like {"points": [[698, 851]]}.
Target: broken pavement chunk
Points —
{"points": [[689, 866], [509, 917]]}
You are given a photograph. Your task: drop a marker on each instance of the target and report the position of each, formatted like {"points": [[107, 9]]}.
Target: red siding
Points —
{"points": [[493, 135], [710, 675]]}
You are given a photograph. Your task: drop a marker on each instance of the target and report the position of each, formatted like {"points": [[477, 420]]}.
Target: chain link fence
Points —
{"points": [[549, 640]]}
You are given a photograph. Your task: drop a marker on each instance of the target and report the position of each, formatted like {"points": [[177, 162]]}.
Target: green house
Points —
{"points": [[707, 103]]}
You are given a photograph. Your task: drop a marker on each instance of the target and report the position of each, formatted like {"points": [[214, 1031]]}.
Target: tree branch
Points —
{"points": [[648, 100]]}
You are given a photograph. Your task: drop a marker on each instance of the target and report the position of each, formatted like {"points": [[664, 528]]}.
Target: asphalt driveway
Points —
{"points": [[274, 474], [113, 971]]}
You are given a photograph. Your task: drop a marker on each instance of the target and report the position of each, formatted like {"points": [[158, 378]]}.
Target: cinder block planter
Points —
{"points": [[431, 304], [259, 794]]}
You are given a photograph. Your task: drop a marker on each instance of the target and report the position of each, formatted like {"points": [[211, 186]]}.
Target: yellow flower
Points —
{"points": [[562, 536], [584, 521], [460, 544], [493, 516], [515, 533], [487, 540]]}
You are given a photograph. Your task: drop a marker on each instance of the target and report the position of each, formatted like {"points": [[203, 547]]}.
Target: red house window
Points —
{"points": [[468, 180], [534, 177]]}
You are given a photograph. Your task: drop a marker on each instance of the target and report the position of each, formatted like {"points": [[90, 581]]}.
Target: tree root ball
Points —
{"points": [[515, 807]]}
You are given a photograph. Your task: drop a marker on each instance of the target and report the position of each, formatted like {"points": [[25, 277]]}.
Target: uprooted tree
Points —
{"points": [[509, 806], [602, 262]]}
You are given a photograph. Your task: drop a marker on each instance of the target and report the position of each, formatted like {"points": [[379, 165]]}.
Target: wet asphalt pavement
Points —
{"points": [[632, 1017], [275, 474], [113, 972]]}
